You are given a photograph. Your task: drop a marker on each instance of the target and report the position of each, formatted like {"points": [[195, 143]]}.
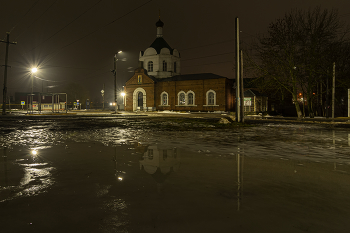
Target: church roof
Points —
{"points": [[159, 23], [160, 43], [184, 77], [252, 93]]}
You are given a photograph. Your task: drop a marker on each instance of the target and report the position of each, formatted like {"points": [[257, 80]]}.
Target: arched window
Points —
{"points": [[165, 67], [164, 98], [182, 98], [190, 99], [211, 97], [150, 66], [174, 67]]}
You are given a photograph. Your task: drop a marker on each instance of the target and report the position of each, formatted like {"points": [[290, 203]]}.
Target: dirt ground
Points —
{"points": [[172, 173]]}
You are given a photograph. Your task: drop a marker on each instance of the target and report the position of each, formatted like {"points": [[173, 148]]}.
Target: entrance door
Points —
{"points": [[140, 100]]}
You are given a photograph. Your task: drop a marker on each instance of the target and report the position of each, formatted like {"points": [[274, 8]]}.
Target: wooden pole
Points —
{"points": [[241, 88], [238, 86], [333, 91], [4, 93]]}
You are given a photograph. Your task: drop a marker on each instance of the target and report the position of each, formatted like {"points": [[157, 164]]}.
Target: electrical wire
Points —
{"points": [[24, 15], [67, 25], [214, 63], [36, 19], [98, 29], [207, 56], [201, 46]]}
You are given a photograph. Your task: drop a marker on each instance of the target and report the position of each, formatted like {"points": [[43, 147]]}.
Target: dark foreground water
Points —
{"points": [[57, 177]]}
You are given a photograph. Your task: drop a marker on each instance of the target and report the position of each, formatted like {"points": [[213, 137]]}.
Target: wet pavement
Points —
{"points": [[149, 174]]}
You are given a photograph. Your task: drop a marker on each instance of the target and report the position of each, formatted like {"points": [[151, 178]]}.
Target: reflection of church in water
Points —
{"points": [[160, 163], [159, 85]]}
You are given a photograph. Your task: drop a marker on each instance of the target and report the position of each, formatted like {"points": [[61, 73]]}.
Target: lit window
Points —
{"points": [[150, 66], [182, 99], [190, 99], [164, 99], [165, 66], [139, 79]]}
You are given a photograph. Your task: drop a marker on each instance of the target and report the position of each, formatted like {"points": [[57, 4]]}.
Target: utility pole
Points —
{"points": [[241, 88], [103, 97], [115, 83], [327, 97], [238, 83], [4, 93], [333, 91]]}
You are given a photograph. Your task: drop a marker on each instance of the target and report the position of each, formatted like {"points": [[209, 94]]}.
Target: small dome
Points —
{"points": [[159, 23]]}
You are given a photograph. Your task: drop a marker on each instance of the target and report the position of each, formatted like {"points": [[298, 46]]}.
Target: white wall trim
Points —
{"points": [[135, 98]]}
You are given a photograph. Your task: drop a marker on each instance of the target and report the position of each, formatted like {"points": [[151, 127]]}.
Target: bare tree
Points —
{"points": [[298, 52]]}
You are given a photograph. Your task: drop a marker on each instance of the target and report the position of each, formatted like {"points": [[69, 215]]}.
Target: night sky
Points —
{"points": [[73, 42]]}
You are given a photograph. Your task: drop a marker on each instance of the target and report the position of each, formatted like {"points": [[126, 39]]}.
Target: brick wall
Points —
{"points": [[221, 86], [135, 82]]}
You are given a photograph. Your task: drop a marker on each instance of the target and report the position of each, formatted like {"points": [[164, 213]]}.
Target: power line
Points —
{"points": [[47, 80], [98, 29], [25, 15], [208, 56], [201, 46], [214, 63], [36, 19], [66, 25]]}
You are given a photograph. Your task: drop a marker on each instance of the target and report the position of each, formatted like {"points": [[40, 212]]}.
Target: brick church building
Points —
{"points": [[158, 84]]}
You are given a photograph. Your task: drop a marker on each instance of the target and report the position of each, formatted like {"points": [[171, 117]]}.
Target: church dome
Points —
{"points": [[159, 43], [159, 23]]}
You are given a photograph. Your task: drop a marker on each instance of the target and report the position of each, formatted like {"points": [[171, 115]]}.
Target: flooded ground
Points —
{"points": [[107, 174]]}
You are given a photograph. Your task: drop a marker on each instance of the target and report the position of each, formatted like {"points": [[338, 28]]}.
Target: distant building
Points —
{"points": [[159, 85], [41, 101]]}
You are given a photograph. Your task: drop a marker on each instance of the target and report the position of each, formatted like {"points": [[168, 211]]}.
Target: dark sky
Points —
{"points": [[74, 41]]}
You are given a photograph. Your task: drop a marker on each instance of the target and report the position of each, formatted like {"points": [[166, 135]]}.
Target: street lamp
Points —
{"points": [[123, 94], [115, 81], [103, 98], [33, 71]]}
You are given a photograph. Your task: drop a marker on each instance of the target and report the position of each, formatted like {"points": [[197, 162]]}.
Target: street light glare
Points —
{"points": [[34, 70], [120, 51]]}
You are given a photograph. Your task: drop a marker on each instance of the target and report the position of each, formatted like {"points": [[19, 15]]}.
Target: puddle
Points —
{"points": [[118, 179]]}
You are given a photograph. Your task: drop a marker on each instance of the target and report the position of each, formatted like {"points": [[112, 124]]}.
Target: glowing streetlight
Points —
{"points": [[103, 97], [123, 94]]}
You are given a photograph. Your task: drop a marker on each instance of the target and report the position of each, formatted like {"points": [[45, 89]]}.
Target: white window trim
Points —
{"points": [[178, 98], [207, 98], [194, 98], [135, 98], [148, 66], [165, 65], [188, 105], [167, 98]]}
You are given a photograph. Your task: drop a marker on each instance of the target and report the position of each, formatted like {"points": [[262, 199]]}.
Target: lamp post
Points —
{"points": [[103, 97], [33, 71], [123, 94], [115, 81]]}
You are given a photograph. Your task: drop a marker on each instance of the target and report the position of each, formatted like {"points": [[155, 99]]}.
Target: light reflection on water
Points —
{"points": [[146, 179], [36, 179]]}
